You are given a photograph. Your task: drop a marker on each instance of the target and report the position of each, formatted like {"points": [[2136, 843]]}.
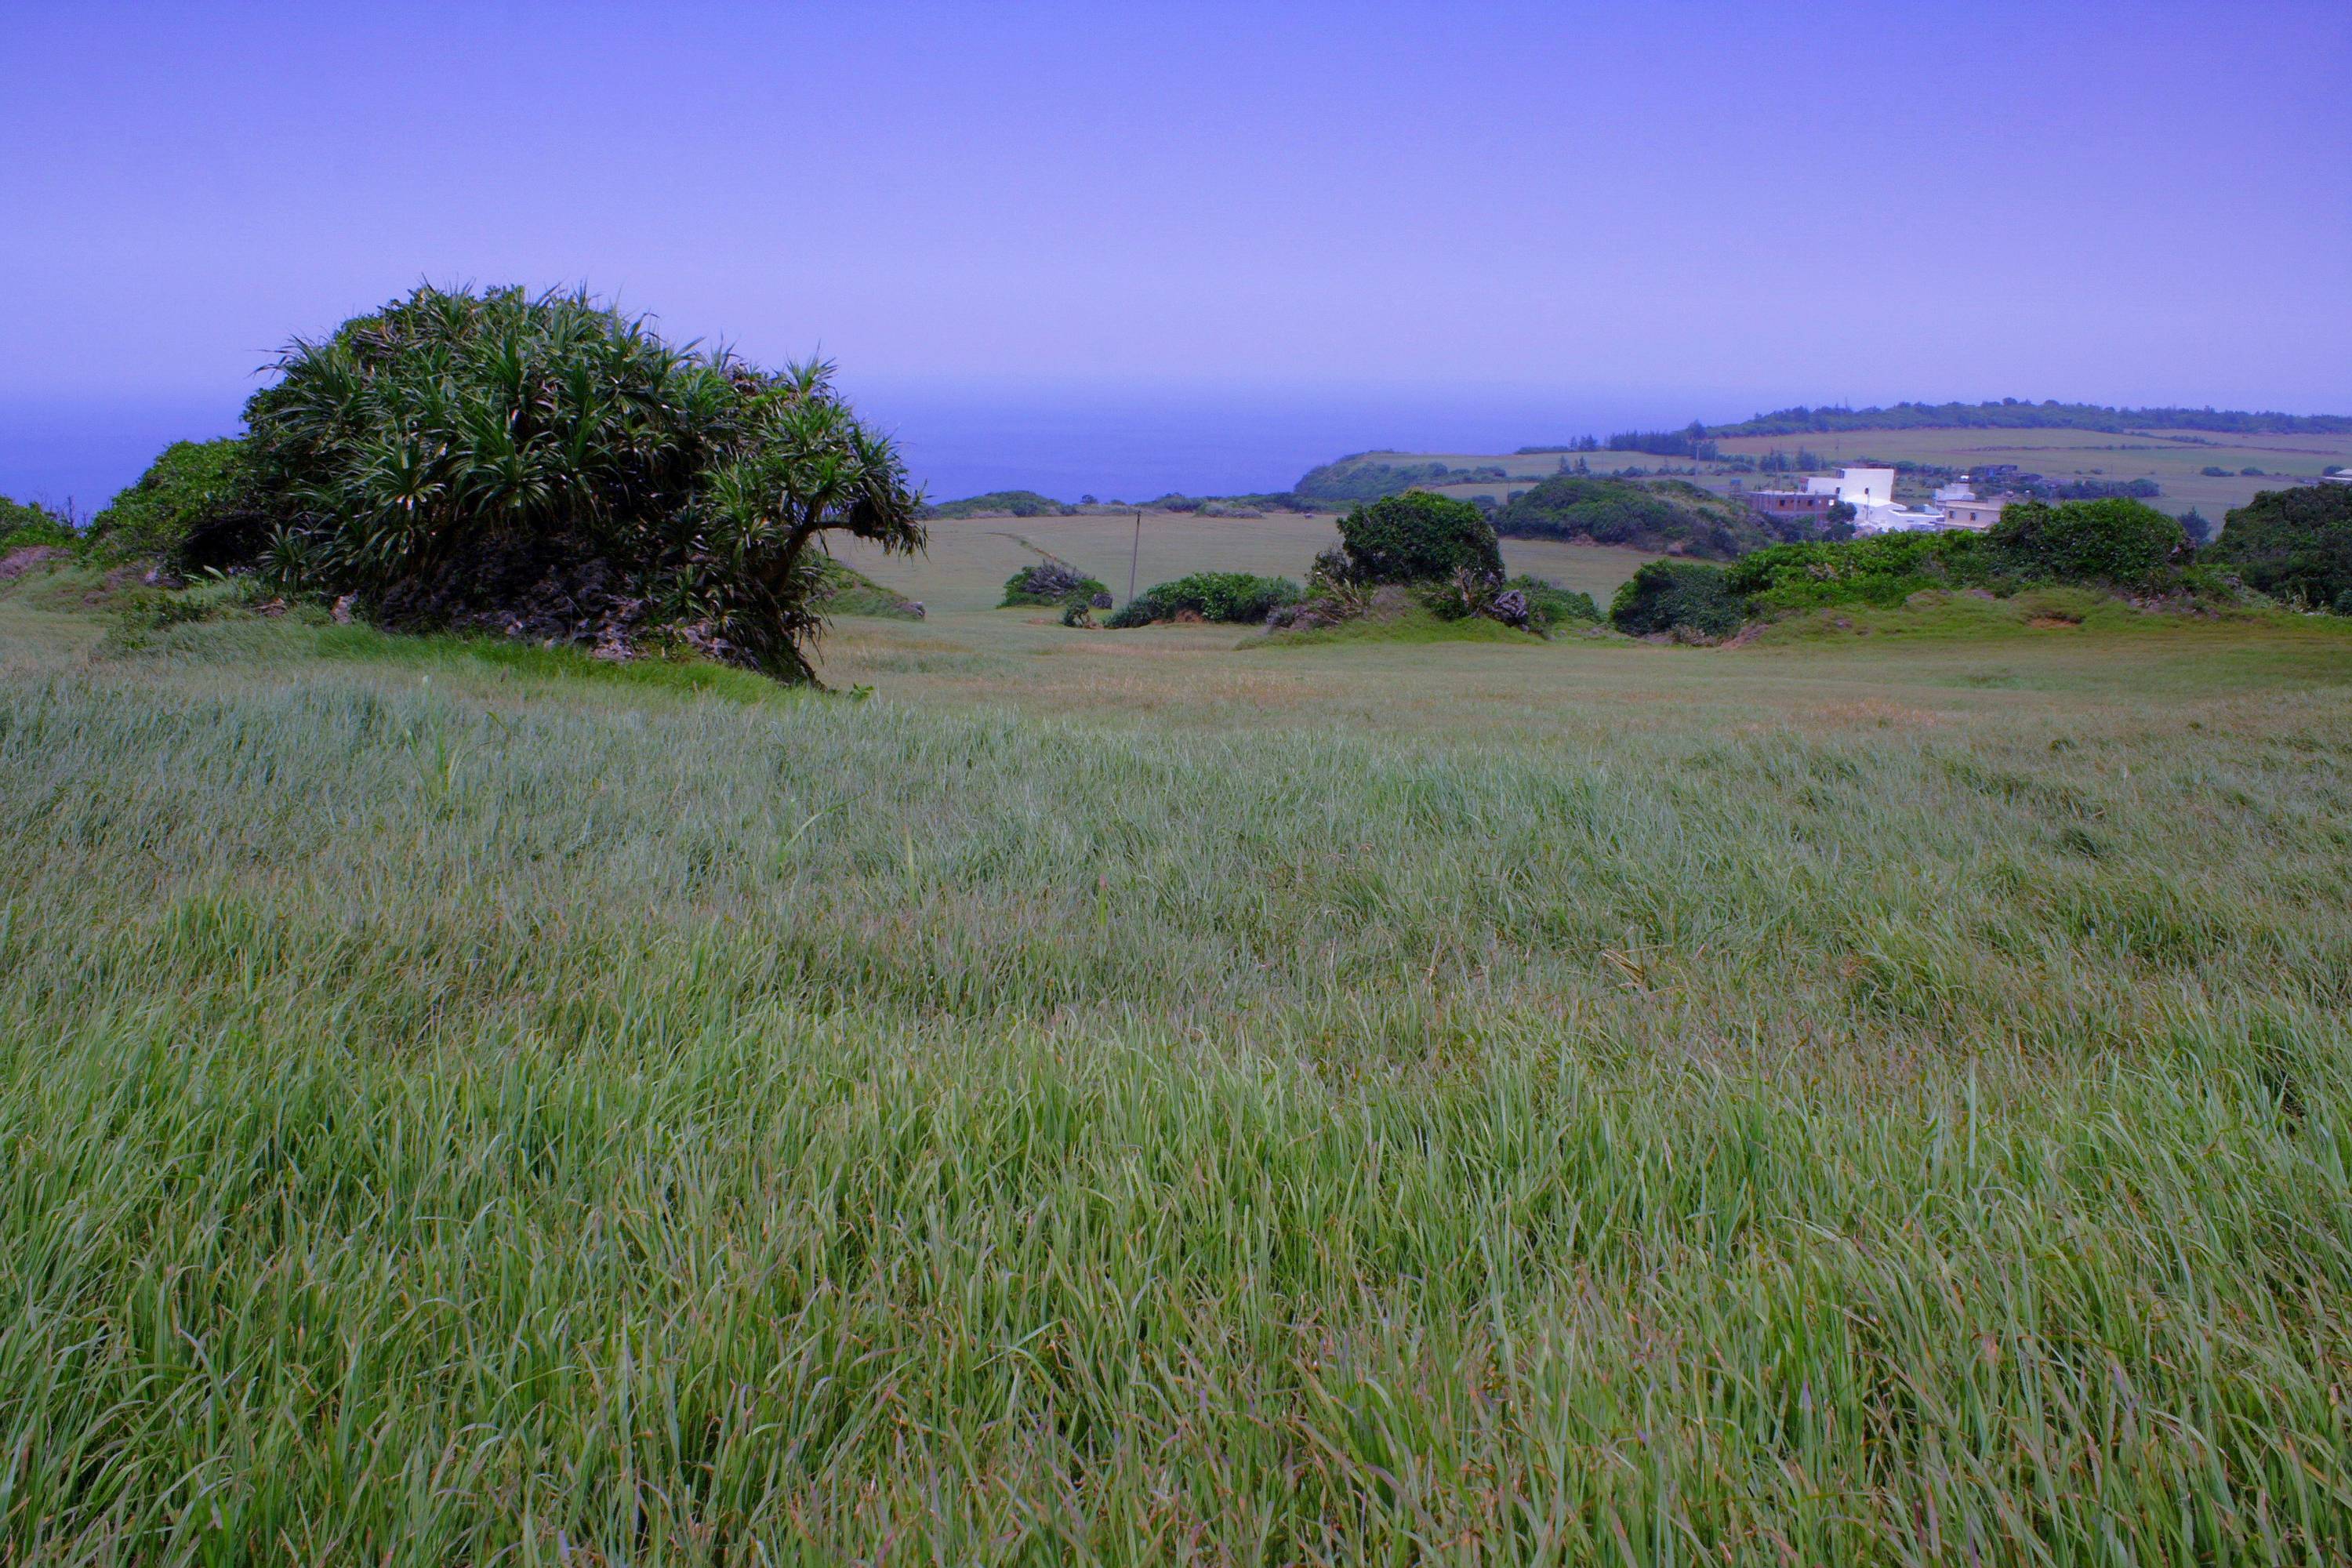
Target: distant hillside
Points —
{"points": [[1368, 475], [1664, 515], [2012, 413], [1002, 503]]}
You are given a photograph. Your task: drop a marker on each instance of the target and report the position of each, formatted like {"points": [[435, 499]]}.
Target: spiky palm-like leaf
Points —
{"points": [[453, 427]]}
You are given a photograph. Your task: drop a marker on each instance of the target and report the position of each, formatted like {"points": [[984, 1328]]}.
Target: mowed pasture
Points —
{"points": [[968, 560], [1148, 1097]]}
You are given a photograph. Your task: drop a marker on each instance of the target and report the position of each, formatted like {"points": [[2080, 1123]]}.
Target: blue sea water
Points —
{"points": [[1133, 446], [1067, 443], [80, 451]]}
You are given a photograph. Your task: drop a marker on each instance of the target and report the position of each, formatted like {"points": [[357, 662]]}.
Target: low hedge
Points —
{"points": [[1876, 569], [1240, 597], [2115, 543], [1549, 604]]}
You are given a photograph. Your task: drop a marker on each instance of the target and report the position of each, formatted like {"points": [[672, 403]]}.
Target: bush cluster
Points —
{"points": [[1678, 597], [194, 507], [539, 464], [1876, 569], [1442, 552], [1416, 537], [2114, 543], [1549, 604], [1054, 583], [2115, 540], [1239, 597], [2295, 545]]}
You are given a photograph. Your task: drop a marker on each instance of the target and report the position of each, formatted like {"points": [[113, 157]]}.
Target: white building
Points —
{"points": [[1963, 508], [1900, 520], [1870, 493], [1859, 487], [1974, 514], [2337, 476]]}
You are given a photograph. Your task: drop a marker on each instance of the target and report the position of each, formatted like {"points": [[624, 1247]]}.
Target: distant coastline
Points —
{"points": [[1072, 443]]}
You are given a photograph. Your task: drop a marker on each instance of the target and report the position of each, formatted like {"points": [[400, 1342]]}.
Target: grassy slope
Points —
{"points": [[1116, 1096]]}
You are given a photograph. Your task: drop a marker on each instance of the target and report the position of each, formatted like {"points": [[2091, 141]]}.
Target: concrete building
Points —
{"points": [[1788, 503], [1899, 520], [1870, 493], [1974, 514], [1860, 488], [2337, 476]]}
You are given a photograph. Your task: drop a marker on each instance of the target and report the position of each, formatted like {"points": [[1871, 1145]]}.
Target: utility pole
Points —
{"points": [[1133, 556]]}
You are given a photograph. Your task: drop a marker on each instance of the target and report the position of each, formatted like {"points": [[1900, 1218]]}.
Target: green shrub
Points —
{"points": [[1678, 597], [2292, 544], [194, 507], [1550, 605], [458, 455], [2117, 541], [1238, 597], [1876, 569], [27, 523], [1416, 537], [2114, 542], [1053, 582]]}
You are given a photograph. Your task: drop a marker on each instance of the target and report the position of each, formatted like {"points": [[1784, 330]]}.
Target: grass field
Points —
{"points": [[969, 560], [1877, 1095]]}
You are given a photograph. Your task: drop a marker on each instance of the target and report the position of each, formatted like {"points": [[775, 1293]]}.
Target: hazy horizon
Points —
{"points": [[1063, 441], [1436, 215]]}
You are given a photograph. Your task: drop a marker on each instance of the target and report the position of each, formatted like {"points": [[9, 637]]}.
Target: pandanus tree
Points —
{"points": [[456, 443]]}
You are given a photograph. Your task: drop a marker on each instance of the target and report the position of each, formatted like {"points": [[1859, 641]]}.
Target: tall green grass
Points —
{"points": [[457, 1112]]}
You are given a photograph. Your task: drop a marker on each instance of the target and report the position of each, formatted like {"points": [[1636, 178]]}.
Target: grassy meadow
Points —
{"points": [[969, 558], [1875, 1095]]}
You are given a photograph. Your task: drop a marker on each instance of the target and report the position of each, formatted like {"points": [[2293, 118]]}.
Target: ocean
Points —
{"points": [[1115, 445]]}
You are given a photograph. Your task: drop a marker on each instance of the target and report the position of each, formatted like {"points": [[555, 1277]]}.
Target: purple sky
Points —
{"points": [[1695, 207]]}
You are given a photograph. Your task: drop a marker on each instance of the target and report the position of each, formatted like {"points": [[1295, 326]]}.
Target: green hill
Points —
{"points": [[1002, 503], [1368, 475], [1668, 516]]}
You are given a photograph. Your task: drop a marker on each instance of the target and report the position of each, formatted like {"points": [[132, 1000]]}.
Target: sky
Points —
{"points": [[1448, 218]]}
